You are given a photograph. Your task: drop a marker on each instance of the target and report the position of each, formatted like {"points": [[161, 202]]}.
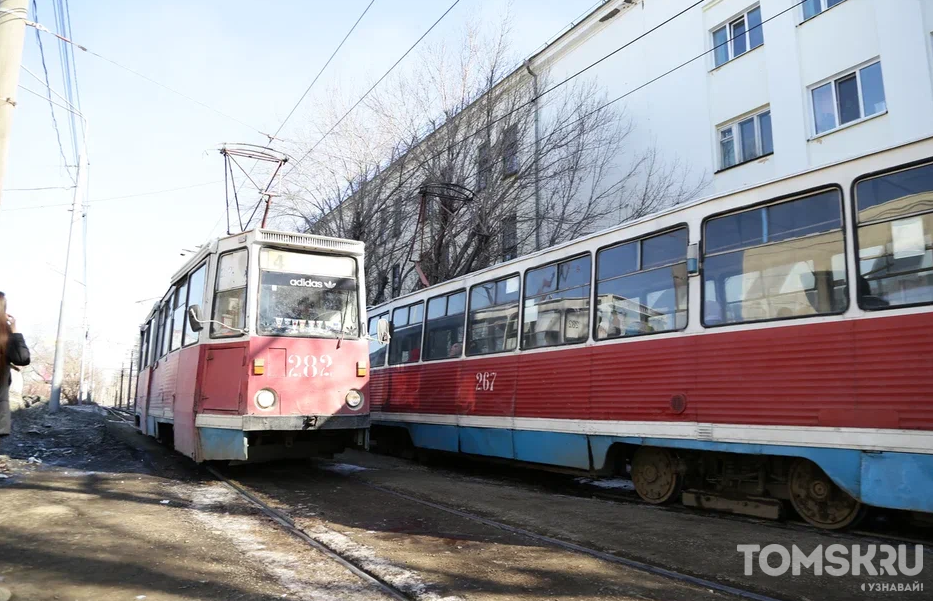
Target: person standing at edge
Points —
{"points": [[13, 351]]}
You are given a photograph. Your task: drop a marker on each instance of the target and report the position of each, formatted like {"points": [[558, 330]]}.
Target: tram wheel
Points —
{"points": [[655, 475], [819, 500]]}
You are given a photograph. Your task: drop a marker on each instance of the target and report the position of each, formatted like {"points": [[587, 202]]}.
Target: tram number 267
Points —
{"points": [[486, 381], [309, 366]]}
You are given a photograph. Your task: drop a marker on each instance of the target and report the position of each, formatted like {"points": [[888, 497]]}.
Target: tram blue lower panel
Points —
{"points": [[492, 442], [552, 448], [883, 479], [218, 444], [438, 438]]}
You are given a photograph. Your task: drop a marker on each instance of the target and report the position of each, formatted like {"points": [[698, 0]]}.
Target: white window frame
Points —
{"points": [[733, 126], [823, 9], [730, 43], [857, 71]]}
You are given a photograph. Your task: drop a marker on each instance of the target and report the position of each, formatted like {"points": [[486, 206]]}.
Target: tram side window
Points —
{"points": [[641, 286], [154, 339], [195, 297], [557, 304], [443, 336], [230, 295], [377, 350], [492, 326], [178, 314], [405, 345], [895, 238], [143, 343], [167, 324], [779, 261]]}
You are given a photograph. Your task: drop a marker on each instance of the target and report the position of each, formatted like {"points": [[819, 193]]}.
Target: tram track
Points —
{"points": [[557, 483], [286, 522]]}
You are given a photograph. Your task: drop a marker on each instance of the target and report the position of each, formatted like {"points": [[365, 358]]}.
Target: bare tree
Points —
{"points": [[461, 117]]}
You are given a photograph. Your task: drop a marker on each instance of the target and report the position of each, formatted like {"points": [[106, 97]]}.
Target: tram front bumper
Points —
{"points": [[284, 423]]}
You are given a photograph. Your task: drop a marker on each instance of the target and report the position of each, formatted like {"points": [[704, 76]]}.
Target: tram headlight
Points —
{"points": [[265, 398], [354, 399]]}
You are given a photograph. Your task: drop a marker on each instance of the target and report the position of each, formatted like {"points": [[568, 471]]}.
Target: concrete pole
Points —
{"points": [[122, 371], [13, 15], [59, 365], [537, 157]]}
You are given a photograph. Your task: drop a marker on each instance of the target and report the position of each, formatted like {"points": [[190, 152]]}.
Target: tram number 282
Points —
{"points": [[486, 381], [309, 366]]}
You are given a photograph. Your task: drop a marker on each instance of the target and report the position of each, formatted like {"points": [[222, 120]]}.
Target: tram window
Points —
{"points": [[557, 304], [642, 286], [405, 345], [895, 239], [230, 295], [377, 350], [195, 297], [167, 323], [141, 358], [154, 339], [492, 326], [178, 314], [779, 261], [443, 336]]}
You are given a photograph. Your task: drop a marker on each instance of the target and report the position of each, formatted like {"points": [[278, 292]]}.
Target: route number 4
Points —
{"points": [[309, 366], [486, 381]]}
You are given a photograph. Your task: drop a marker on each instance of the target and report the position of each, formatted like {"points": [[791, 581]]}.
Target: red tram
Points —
{"points": [[773, 343], [256, 350]]}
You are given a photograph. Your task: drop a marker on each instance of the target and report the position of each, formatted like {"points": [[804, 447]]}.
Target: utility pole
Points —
{"points": [[122, 370], [76, 214], [13, 15]]}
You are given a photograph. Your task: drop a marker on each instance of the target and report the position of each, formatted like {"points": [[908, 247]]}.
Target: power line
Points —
{"points": [[42, 28], [316, 77], [45, 69], [38, 189], [485, 127], [113, 198], [373, 87]]}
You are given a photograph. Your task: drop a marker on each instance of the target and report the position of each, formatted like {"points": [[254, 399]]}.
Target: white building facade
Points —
{"points": [[775, 87]]}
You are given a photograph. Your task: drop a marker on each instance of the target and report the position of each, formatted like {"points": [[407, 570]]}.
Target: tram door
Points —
{"points": [[223, 382]]}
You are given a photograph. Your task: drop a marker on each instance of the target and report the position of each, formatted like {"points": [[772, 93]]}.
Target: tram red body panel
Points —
{"points": [[318, 388], [847, 373]]}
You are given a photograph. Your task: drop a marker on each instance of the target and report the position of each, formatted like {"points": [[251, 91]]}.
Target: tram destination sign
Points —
{"points": [[298, 280]]}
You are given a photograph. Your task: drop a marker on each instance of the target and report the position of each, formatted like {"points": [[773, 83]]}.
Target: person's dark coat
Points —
{"points": [[17, 353]]}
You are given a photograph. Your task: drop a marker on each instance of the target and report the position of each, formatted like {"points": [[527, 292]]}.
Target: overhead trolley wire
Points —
{"points": [[485, 127], [42, 28], [373, 87]]}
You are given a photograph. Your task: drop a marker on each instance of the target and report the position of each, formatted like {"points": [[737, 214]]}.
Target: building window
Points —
{"points": [[846, 99], [895, 239], [510, 151], [396, 220], [745, 140], [405, 344], [557, 304], [396, 280], [811, 8], [510, 237], [641, 286], [774, 262], [492, 326], [443, 337], [483, 167], [738, 37]]}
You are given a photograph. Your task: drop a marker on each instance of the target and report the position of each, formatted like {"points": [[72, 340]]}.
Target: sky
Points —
{"points": [[248, 60]]}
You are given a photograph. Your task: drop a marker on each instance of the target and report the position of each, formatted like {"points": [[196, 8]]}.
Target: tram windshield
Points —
{"points": [[308, 295]]}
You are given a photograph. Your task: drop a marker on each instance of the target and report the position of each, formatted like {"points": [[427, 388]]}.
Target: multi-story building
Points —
{"points": [[740, 91]]}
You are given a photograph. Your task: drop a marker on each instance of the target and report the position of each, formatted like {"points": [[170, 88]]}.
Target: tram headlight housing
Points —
{"points": [[354, 399], [266, 398]]}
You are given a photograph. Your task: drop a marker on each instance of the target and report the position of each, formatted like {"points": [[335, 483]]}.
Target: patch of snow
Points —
{"points": [[343, 468], [614, 483], [164, 502]]}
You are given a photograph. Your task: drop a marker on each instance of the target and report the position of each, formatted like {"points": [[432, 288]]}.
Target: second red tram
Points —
{"points": [[256, 351]]}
